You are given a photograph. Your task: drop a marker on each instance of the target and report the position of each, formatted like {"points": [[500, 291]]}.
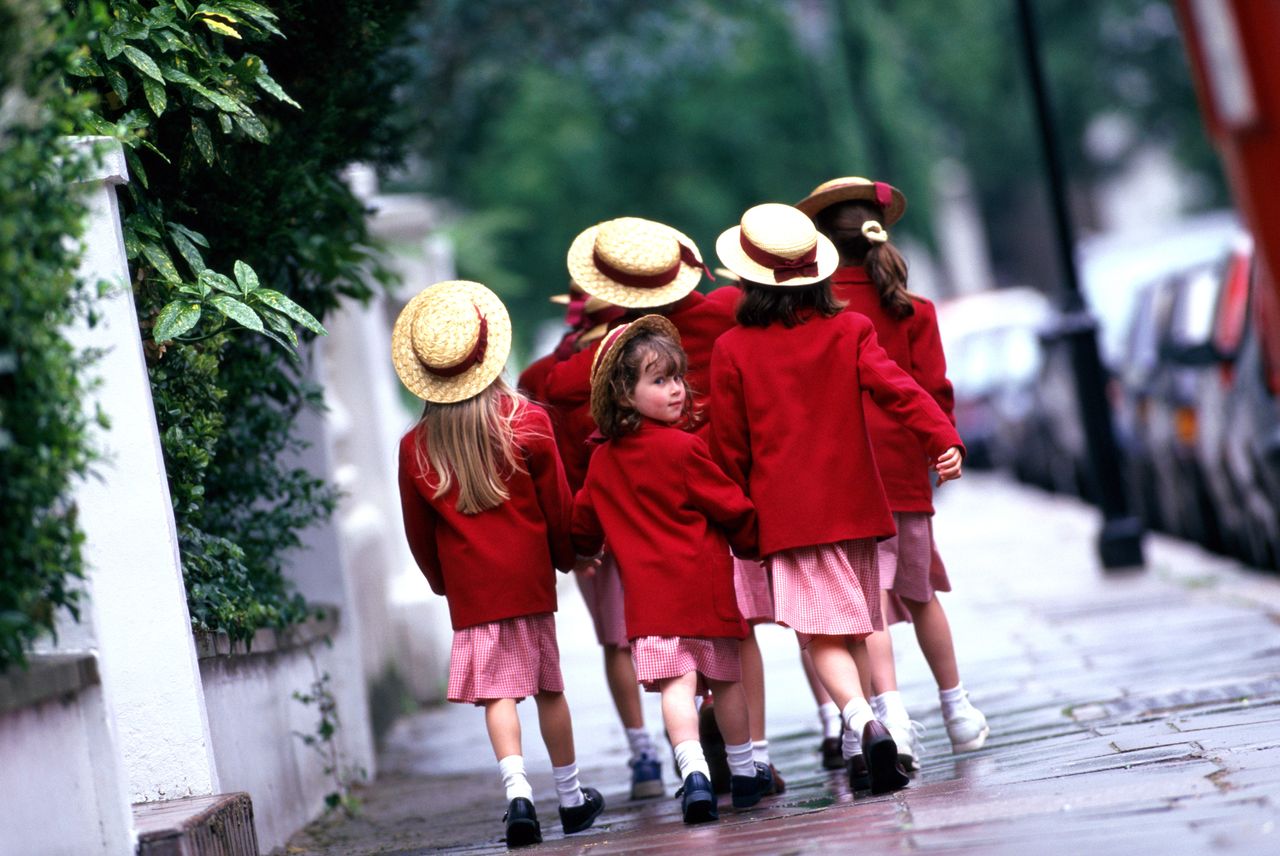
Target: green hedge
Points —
{"points": [[43, 445]]}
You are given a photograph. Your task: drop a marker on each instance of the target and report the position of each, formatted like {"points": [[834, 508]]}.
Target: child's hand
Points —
{"points": [[586, 565], [948, 465]]}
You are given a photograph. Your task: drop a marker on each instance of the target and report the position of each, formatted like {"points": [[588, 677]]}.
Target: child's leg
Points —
{"points": [[503, 724], [833, 660], [733, 717], [753, 684], [557, 733], [620, 673], [933, 632], [881, 670]]}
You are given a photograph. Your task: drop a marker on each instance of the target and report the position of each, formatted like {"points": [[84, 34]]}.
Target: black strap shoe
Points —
{"points": [[699, 805], [581, 817], [859, 778], [522, 824], [881, 755], [747, 790]]}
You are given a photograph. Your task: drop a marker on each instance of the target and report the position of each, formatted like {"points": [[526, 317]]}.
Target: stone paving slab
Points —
{"points": [[1131, 713]]}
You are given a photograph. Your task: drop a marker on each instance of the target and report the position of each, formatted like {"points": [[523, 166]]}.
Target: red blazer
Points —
{"points": [[498, 563], [916, 346], [535, 374], [787, 423], [670, 515]]}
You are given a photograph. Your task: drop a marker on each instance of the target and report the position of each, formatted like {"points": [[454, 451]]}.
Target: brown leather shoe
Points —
{"points": [[832, 756], [859, 779], [779, 783], [881, 756]]}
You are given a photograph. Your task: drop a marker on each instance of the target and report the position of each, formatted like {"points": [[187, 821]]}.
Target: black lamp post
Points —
{"points": [[1120, 542]]}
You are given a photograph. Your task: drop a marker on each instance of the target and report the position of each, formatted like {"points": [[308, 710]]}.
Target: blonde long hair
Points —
{"points": [[474, 443]]}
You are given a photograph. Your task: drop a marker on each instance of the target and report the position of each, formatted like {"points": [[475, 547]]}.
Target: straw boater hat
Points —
{"points": [[775, 244], [451, 341], [635, 263], [610, 351], [889, 198]]}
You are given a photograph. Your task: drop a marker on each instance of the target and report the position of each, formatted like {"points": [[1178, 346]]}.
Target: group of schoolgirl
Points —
{"points": [[701, 462]]}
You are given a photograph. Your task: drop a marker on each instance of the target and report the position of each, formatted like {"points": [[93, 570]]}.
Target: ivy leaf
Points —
{"points": [[203, 139], [213, 279], [252, 126], [175, 319], [237, 311], [284, 305], [188, 250], [143, 63], [155, 95], [247, 278], [160, 261], [281, 325]]}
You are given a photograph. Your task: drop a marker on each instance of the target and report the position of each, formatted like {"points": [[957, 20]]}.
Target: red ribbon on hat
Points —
{"points": [[783, 268], [473, 358], [884, 195], [575, 313], [652, 280]]}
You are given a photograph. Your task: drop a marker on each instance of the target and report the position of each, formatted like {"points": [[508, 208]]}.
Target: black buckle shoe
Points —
{"points": [[581, 817], [881, 755], [859, 778], [747, 790], [522, 824], [699, 805], [832, 756]]}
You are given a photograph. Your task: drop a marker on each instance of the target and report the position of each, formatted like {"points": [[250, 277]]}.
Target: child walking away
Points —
{"points": [[872, 278], [670, 516], [487, 512], [788, 425]]}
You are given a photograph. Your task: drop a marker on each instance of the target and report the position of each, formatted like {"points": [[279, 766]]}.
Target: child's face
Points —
{"points": [[659, 393]]}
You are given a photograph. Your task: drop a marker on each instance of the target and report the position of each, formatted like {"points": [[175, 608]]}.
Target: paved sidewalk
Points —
{"points": [[1129, 714]]}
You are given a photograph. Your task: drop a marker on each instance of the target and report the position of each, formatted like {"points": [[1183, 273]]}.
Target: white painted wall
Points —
{"points": [[58, 774]]}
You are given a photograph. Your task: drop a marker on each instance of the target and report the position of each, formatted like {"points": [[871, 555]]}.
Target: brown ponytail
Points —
{"points": [[842, 223]]}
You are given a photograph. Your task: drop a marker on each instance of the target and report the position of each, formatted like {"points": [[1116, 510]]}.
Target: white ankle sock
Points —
{"points": [[568, 788], [888, 707], [760, 751], [856, 714], [689, 759], [513, 778], [641, 743], [740, 761], [830, 716], [953, 700]]}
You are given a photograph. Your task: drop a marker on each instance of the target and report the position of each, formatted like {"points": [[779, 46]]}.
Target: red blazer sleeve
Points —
{"points": [[419, 519], [720, 498], [730, 442], [551, 487], [928, 362], [588, 535], [568, 383], [900, 396]]}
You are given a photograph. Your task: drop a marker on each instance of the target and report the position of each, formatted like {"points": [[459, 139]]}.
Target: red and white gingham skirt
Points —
{"points": [[827, 589], [511, 658], [658, 657], [910, 567], [602, 593], [755, 594]]}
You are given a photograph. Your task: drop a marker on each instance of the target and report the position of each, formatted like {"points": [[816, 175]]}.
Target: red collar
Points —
{"points": [[850, 274]]}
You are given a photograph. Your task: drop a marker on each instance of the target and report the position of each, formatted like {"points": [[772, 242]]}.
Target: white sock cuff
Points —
{"points": [[640, 743], [955, 695], [856, 714], [760, 751], [741, 760], [888, 706], [568, 788], [514, 780], [689, 759]]}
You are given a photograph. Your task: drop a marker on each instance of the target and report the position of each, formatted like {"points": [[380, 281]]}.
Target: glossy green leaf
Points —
{"points": [[190, 254], [288, 349], [194, 236], [118, 84], [252, 126], [246, 276], [155, 95], [237, 311], [179, 76], [111, 46], [221, 28], [281, 325], [218, 281], [143, 63], [160, 260], [84, 65], [203, 139], [277, 301], [224, 122], [175, 319], [268, 84]]}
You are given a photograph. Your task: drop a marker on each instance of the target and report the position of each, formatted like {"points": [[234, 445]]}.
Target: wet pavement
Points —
{"points": [[1134, 713]]}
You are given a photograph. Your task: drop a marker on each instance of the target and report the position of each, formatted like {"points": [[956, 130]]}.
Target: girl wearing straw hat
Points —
{"points": [[669, 514], [588, 319], [643, 267], [788, 425], [872, 278], [486, 512]]}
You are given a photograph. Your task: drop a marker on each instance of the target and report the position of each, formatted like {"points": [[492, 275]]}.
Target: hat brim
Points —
{"points": [[584, 272], [732, 256], [449, 390], [825, 198], [610, 351]]}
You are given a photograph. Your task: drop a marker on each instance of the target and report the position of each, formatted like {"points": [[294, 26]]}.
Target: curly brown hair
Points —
{"points": [[619, 417]]}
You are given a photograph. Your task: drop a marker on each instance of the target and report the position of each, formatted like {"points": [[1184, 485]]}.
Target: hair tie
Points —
{"points": [[874, 232]]}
